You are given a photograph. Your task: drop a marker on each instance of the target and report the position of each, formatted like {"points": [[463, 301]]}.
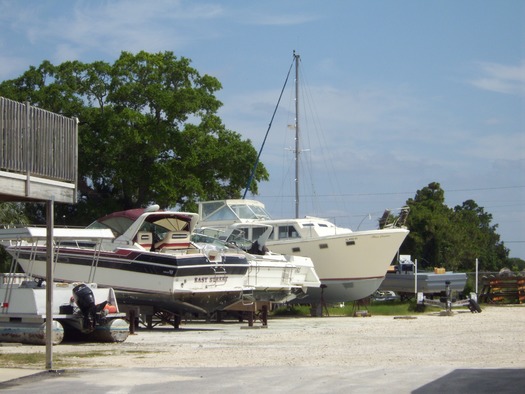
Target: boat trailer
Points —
{"points": [[448, 302]]}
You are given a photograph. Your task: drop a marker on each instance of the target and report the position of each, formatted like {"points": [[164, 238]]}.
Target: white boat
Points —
{"points": [[153, 258], [273, 277], [146, 255], [350, 264], [80, 311]]}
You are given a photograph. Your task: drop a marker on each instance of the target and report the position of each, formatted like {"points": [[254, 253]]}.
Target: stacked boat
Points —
{"points": [[273, 277], [149, 258]]}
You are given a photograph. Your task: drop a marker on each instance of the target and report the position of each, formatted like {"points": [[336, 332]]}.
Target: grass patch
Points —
{"points": [[38, 360], [292, 310], [22, 359], [394, 308]]}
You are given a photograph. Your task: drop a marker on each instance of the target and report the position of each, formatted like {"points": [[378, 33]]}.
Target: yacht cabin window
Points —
{"points": [[286, 232], [253, 233], [258, 231]]}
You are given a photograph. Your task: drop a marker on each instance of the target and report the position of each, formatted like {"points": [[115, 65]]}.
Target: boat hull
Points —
{"points": [[202, 302], [185, 280], [427, 282], [351, 266], [279, 278], [338, 290]]}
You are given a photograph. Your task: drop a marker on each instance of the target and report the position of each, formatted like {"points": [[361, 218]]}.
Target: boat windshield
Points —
{"points": [[212, 242], [232, 211], [239, 238], [117, 225], [244, 211]]}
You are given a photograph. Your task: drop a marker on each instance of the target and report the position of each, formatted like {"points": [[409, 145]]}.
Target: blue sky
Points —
{"points": [[398, 94]]}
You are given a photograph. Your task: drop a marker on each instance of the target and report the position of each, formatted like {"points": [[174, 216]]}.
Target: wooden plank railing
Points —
{"points": [[37, 142]]}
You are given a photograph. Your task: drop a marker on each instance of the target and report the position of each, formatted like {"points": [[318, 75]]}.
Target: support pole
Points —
{"points": [[477, 267], [415, 277], [49, 283], [27, 149], [264, 315]]}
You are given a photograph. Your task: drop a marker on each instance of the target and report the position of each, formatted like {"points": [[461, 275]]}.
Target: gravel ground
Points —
{"points": [[491, 339]]}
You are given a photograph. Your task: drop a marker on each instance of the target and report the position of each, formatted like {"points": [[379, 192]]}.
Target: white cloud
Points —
{"points": [[498, 147], [502, 78], [279, 19], [109, 27]]}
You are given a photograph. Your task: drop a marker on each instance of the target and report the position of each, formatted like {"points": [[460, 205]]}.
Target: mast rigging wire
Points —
{"points": [[250, 180]]}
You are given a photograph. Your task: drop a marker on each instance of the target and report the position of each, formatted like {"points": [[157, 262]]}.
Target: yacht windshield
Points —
{"points": [[244, 211]]}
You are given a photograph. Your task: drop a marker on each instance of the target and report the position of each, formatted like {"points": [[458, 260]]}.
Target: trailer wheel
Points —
{"points": [[474, 306]]}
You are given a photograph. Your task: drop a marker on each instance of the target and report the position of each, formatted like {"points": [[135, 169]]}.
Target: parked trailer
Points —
{"points": [[448, 302], [80, 311]]}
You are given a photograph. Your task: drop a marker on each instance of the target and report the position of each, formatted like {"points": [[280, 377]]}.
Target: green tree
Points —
{"points": [[478, 238], [517, 265], [148, 133], [452, 238], [429, 222], [10, 214]]}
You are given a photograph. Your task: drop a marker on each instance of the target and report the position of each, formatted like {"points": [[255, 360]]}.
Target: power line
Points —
{"points": [[399, 193]]}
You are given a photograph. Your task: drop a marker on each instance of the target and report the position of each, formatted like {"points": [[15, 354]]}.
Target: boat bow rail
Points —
{"points": [[37, 234], [18, 237]]}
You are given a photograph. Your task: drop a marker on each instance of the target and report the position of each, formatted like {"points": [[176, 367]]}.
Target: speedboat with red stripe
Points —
{"points": [[145, 255]]}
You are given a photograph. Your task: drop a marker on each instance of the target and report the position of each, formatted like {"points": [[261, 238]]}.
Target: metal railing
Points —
{"points": [[37, 142]]}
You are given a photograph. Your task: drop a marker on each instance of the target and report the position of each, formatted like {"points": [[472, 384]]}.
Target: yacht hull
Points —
{"points": [[351, 266]]}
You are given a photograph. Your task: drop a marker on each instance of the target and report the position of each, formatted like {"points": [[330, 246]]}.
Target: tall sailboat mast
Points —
{"points": [[297, 151]]}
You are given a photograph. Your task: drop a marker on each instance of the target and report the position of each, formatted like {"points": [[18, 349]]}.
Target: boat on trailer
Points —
{"points": [[156, 264], [406, 280], [146, 255]]}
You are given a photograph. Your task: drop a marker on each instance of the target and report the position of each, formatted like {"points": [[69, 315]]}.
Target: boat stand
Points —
{"points": [[360, 308], [317, 310], [257, 311]]}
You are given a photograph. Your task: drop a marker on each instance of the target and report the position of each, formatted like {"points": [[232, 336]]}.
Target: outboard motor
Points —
{"points": [[83, 297], [85, 300]]}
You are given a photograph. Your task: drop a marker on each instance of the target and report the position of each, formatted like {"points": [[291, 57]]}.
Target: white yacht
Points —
{"points": [[350, 264]]}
